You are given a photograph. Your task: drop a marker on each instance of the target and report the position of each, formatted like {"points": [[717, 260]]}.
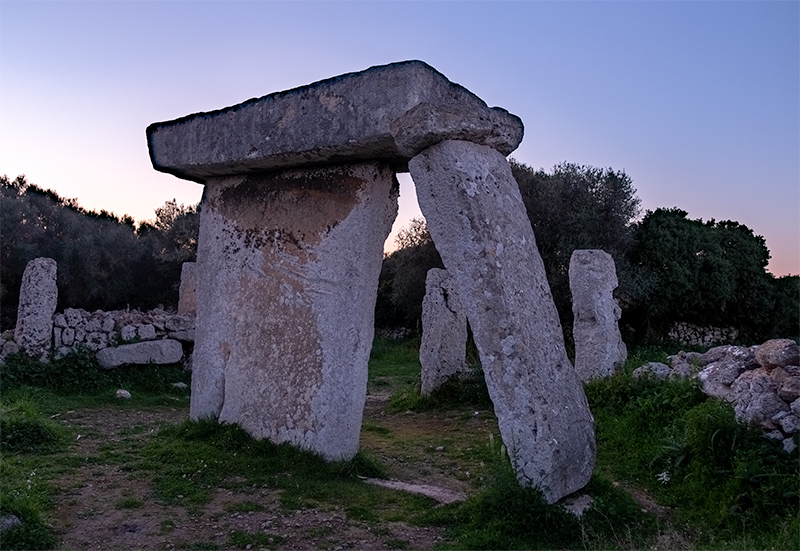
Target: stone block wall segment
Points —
{"points": [[38, 296], [187, 293], [287, 272], [349, 118], [478, 221], [442, 352], [164, 351], [599, 350]]}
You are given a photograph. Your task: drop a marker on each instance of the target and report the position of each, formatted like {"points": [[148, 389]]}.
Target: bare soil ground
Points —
{"points": [[90, 511]]}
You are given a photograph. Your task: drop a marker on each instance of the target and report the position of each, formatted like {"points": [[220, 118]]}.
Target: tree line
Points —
{"points": [[104, 261], [670, 268]]}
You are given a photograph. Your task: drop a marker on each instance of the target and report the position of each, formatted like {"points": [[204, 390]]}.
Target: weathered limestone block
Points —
{"points": [[477, 219], [146, 332], [287, 274], [778, 353], [599, 350], [756, 401], [442, 352], [656, 370], [127, 333], [163, 351], [187, 294], [38, 296], [364, 116], [73, 316]]}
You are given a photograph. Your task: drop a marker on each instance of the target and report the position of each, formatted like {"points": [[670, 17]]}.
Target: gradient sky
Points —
{"points": [[699, 102]]}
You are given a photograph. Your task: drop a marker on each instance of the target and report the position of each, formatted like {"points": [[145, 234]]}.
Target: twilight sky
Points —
{"points": [[699, 102]]}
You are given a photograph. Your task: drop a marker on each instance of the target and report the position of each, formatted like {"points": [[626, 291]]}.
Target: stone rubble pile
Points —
{"points": [[762, 382]]}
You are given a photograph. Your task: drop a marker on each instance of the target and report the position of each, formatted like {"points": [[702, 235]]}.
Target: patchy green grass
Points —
{"points": [[393, 364], [727, 487]]}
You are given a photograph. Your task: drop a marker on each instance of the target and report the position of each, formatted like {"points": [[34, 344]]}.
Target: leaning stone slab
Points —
{"points": [[38, 296], [287, 271], [386, 113], [165, 351], [478, 221], [599, 350], [442, 352]]}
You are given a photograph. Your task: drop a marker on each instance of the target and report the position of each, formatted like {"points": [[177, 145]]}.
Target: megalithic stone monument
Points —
{"points": [[599, 350], [478, 221], [300, 195], [443, 350]]}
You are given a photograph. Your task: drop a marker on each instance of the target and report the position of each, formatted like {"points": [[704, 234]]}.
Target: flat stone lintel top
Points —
{"points": [[390, 112]]}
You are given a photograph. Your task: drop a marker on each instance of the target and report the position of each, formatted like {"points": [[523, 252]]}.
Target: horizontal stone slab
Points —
{"points": [[390, 113], [165, 351]]}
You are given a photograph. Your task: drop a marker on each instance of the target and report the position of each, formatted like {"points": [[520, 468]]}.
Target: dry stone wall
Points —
{"points": [[76, 328]]}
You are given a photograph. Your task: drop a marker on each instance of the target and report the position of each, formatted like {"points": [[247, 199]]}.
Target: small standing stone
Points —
{"points": [[38, 296], [187, 294], [599, 350], [442, 352]]}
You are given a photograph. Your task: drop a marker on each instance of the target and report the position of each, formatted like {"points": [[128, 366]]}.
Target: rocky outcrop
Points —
{"points": [[761, 382]]}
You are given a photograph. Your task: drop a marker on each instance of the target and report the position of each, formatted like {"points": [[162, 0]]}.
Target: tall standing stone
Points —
{"points": [[38, 296], [599, 350], [287, 271], [442, 352], [187, 293], [478, 221]]}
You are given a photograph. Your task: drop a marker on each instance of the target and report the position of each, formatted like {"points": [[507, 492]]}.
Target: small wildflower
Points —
{"points": [[663, 477]]}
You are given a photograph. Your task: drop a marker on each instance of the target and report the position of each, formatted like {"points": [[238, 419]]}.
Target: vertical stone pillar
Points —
{"points": [[38, 296], [187, 294], [287, 273], [599, 350], [442, 352], [477, 219]]}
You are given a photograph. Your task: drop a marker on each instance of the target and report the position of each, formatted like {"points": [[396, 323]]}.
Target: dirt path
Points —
{"points": [[101, 506]]}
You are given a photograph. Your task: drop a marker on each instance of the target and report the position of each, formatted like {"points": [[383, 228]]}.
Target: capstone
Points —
{"points": [[386, 113], [599, 350], [442, 352], [38, 296]]}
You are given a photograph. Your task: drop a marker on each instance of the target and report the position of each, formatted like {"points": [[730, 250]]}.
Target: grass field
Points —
{"points": [[82, 469]]}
